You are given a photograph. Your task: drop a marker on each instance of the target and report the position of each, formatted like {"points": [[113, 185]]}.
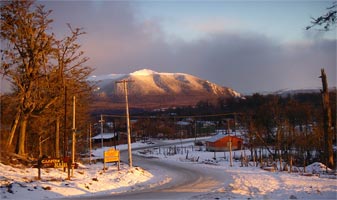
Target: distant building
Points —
{"points": [[109, 139], [221, 142]]}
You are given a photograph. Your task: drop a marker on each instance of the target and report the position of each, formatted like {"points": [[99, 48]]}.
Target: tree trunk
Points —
{"points": [[13, 129], [328, 151], [291, 164], [22, 136], [57, 137]]}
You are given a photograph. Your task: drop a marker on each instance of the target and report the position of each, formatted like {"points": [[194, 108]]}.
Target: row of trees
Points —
{"points": [[284, 124], [44, 72], [287, 126]]}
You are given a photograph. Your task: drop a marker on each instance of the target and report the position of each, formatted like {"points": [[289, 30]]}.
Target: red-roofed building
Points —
{"points": [[221, 142]]}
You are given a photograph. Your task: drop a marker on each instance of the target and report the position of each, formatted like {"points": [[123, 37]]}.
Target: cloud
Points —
{"points": [[215, 25], [252, 62], [119, 41]]}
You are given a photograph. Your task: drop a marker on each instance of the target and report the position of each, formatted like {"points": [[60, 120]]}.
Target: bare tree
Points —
{"points": [[38, 65], [69, 76], [327, 20], [28, 47]]}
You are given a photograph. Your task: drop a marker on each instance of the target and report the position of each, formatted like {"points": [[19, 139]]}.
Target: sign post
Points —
{"points": [[111, 155], [53, 163]]}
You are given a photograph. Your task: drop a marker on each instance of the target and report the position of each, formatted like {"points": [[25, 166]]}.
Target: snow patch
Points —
{"points": [[143, 72], [105, 77], [317, 167]]}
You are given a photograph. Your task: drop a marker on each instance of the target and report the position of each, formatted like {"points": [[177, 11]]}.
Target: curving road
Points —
{"points": [[188, 180]]}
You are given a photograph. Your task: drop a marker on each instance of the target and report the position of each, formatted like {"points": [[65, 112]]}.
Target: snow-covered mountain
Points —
{"points": [[152, 87]]}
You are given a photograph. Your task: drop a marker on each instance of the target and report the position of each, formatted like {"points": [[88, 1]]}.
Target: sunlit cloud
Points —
{"points": [[223, 50]]}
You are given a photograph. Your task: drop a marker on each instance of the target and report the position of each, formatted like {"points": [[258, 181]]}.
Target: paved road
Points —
{"points": [[188, 180]]}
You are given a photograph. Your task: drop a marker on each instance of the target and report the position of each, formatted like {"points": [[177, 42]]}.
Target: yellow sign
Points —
{"points": [[60, 165], [111, 155], [53, 163]]}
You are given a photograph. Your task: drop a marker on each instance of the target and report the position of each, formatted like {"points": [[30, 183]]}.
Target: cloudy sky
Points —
{"points": [[250, 46]]}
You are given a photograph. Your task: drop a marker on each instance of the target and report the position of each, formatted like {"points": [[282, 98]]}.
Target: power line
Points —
{"points": [[179, 116]]}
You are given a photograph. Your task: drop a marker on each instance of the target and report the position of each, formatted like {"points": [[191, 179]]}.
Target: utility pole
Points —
{"points": [[235, 124], [90, 145], [102, 127], [195, 131], [74, 137], [127, 117], [230, 145], [114, 130], [65, 136], [230, 152]]}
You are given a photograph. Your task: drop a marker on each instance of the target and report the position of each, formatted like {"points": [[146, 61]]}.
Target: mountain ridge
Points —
{"points": [[159, 89]]}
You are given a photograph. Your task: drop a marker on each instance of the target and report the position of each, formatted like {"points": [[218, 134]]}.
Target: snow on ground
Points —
{"points": [[257, 183], [249, 182], [22, 183], [253, 182]]}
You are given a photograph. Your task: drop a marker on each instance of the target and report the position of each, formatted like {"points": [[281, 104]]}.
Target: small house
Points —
{"points": [[108, 139], [222, 142], [111, 139]]}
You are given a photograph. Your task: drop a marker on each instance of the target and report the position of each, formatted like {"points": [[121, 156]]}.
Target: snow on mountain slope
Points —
{"points": [[106, 77], [148, 81], [143, 72], [148, 85]]}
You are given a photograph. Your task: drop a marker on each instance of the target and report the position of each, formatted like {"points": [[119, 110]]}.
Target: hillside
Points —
{"points": [[150, 89]]}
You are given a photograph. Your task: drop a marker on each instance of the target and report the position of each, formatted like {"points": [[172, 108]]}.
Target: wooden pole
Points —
{"points": [[90, 145], [57, 137], [65, 135], [230, 145], [102, 130], [128, 123], [230, 152], [74, 137], [40, 146], [127, 118]]}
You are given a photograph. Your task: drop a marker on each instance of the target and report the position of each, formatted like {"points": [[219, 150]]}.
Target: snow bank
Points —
{"points": [[260, 184], [22, 183], [317, 167]]}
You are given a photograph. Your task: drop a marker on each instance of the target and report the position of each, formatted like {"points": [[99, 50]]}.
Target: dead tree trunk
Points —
{"points": [[328, 151]]}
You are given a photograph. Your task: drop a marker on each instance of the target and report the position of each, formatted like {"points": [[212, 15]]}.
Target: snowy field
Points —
{"points": [[247, 182], [253, 182]]}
